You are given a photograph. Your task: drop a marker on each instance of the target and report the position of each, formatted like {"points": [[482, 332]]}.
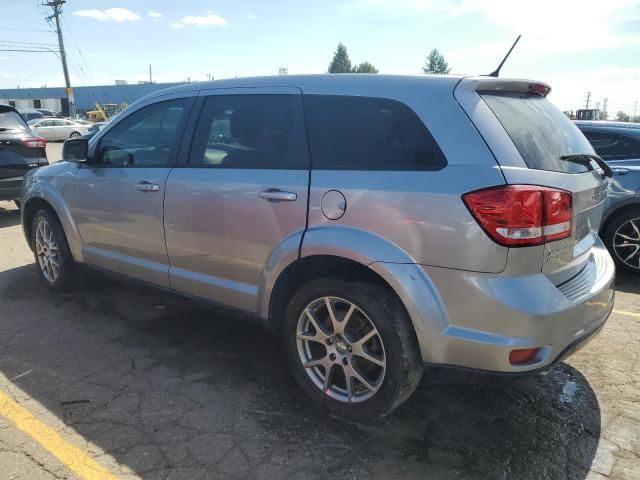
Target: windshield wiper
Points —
{"points": [[585, 159]]}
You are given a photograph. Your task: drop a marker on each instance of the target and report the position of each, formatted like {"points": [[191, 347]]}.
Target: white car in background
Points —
{"points": [[58, 128]]}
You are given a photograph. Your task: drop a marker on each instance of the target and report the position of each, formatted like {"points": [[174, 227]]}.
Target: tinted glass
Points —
{"points": [[10, 120], [356, 133], [540, 132], [147, 137], [612, 146], [250, 131]]}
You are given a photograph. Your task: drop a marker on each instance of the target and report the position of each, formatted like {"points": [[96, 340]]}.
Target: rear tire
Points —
{"points": [[369, 377], [51, 251], [623, 242], [74, 134]]}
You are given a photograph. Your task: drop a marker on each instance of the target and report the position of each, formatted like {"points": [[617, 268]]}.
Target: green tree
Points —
{"points": [[622, 117], [436, 63], [364, 67], [340, 62]]}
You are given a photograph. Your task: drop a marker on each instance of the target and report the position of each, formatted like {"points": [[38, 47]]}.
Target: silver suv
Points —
{"points": [[377, 223]]}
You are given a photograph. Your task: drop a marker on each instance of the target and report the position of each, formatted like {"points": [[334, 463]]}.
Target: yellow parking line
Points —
{"points": [[75, 459], [628, 314]]}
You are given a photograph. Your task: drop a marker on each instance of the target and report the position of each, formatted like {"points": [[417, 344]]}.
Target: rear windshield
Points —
{"points": [[540, 132], [10, 120]]}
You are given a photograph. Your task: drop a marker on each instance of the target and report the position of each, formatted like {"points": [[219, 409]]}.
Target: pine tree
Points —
{"points": [[436, 63], [340, 62]]}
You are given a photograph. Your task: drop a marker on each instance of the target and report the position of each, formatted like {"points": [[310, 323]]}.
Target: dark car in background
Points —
{"points": [[30, 114], [619, 145], [46, 113], [20, 151]]}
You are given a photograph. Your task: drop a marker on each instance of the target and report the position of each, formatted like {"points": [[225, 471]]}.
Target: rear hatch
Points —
{"points": [[536, 144]]}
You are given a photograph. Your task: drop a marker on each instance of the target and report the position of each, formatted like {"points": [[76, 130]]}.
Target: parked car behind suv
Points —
{"points": [[58, 128], [377, 223], [619, 145], [20, 151], [30, 114]]}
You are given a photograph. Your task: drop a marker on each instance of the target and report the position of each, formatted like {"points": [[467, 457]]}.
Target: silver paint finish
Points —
{"points": [[463, 293], [420, 214], [333, 205], [220, 233], [121, 226]]}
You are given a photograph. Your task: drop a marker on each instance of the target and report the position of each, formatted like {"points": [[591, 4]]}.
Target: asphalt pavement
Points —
{"points": [[117, 380]]}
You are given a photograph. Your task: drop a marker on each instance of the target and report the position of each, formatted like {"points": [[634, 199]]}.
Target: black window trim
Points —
{"points": [[377, 168], [188, 107]]}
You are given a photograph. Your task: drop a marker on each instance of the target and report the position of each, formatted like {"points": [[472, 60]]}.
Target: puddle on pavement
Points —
{"points": [[568, 392]]}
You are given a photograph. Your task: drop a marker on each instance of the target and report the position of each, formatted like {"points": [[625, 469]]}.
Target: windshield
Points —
{"points": [[10, 120], [540, 132]]}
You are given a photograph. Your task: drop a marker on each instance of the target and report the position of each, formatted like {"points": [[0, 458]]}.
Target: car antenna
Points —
{"points": [[496, 72]]}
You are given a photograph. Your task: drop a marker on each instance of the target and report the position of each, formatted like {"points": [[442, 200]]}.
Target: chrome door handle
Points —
{"points": [[278, 196], [147, 187]]}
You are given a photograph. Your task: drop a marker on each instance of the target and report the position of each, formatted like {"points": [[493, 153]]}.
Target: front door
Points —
{"points": [[118, 199], [241, 193]]}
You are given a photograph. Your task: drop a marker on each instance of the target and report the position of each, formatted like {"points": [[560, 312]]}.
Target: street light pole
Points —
{"points": [[56, 6]]}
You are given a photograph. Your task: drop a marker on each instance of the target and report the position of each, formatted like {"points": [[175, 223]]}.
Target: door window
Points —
{"points": [[147, 137], [363, 133], [250, 131], [612, 146]]}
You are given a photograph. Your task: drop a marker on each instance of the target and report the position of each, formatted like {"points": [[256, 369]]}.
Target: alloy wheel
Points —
{"points": [[626, 243], [341, 350], [47, 251]]}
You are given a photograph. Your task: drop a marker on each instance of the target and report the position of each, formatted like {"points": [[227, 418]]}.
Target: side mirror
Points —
{"points": [[75, 150]]}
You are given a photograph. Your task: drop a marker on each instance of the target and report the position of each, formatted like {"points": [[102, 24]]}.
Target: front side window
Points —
{"points": [[147, 137], [612, 146], [357, 133], [250, 131]]}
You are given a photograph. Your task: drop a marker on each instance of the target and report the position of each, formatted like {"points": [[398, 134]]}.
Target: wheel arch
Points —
{"points": [[620, 209], [56, 206], [352, 255]]}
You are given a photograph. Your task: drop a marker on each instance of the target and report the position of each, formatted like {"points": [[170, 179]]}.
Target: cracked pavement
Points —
{"points": [[155, 386]]}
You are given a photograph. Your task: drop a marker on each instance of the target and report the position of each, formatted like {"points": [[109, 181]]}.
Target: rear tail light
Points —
{"points": [[34, 142], [525, 355], [522, 215]]}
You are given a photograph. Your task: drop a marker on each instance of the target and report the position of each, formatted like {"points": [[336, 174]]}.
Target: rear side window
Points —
{"points": [[250, 131], [612, 146], [10, 120], [540, 132], [363, 133]]}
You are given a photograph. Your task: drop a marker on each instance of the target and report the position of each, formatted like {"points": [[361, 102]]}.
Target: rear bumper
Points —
{"points": [[487, 316]]}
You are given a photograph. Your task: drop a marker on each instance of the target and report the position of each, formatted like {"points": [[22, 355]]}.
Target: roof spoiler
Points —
{"points": [[498, 85]]}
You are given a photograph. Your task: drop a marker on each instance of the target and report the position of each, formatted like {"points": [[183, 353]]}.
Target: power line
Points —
{"points": [[73, 39], [26, 30]]}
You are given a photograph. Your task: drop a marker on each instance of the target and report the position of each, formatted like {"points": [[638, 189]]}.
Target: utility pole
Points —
{"points": [[604, 109], [150, 77], [635, 107], [56, 6], [588, 98]]}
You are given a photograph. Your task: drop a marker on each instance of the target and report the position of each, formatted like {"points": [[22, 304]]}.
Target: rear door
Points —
{"points": [[537, 135], [241, 192]]}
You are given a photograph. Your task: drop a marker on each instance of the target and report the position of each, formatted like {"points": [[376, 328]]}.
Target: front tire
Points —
{"points": [[351, 348], [51, 251], [622, 238]]}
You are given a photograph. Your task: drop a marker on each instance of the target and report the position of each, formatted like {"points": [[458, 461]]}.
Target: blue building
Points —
{"points": [[55, 98]]}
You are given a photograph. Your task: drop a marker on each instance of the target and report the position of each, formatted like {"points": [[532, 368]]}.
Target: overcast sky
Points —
{"points": [[576, 46]]}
